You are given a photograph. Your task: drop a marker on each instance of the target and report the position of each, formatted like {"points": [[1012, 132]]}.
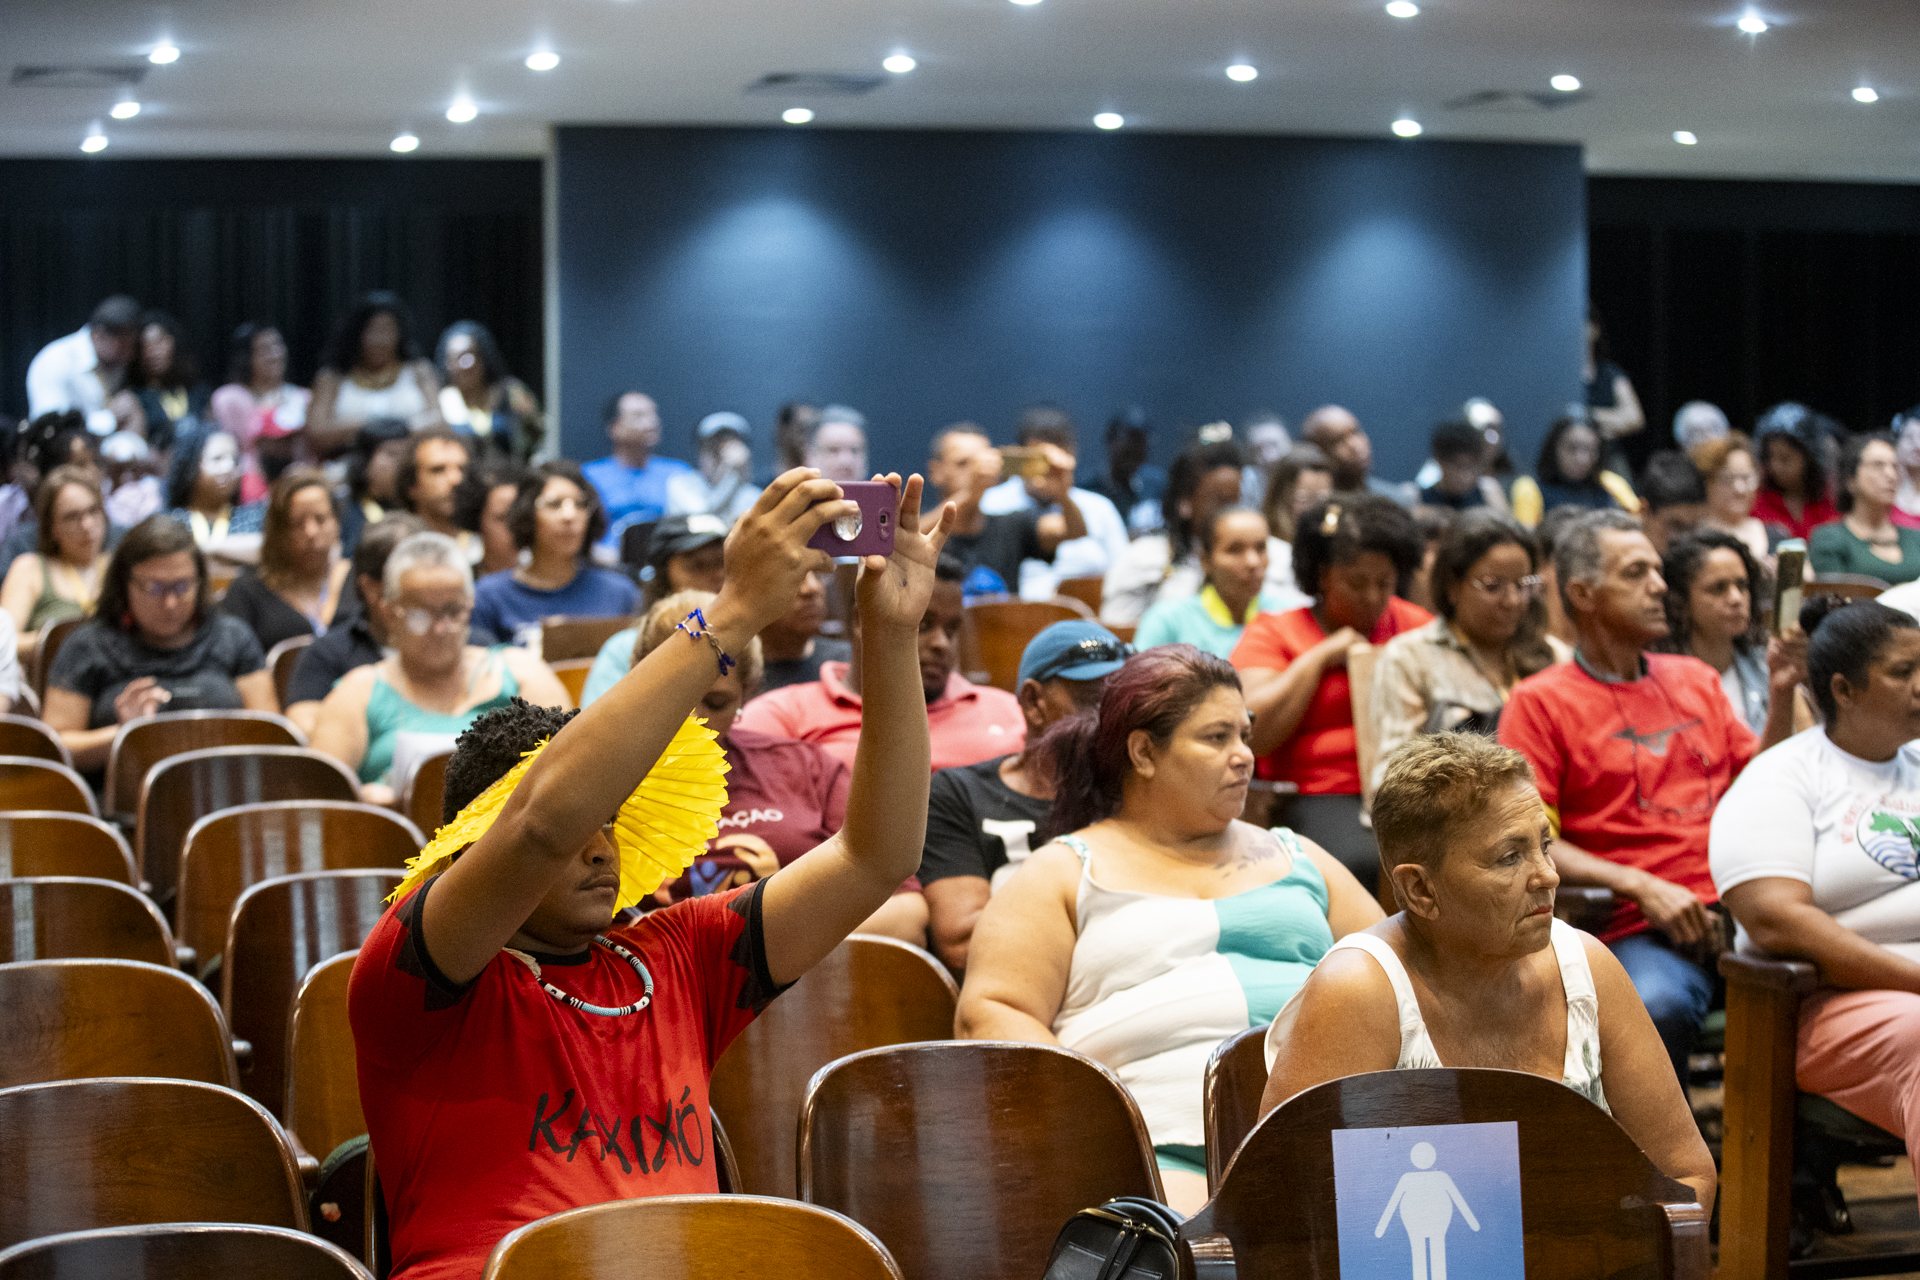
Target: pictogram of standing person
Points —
{"points": [[1425, 1200]]}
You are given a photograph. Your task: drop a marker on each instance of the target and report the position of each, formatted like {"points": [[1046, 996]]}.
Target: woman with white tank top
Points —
{"points": [[1474, 971]]}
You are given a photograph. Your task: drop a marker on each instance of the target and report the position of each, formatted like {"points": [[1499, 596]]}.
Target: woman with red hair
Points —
{"points": [[1158, 924]]}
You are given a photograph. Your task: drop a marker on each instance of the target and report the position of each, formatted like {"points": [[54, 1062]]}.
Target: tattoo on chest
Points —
{"points": [[1262, 848]]}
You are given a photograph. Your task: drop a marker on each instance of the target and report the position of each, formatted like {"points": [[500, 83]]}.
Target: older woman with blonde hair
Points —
{"points": [[1474, 971]]}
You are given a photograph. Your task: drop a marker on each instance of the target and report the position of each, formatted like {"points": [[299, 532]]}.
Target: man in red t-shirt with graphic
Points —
{"points": [[518, 1054], [1631, 751]]}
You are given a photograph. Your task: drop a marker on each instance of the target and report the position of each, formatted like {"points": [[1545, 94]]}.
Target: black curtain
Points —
{"points": [[1749, 293], [291, 242]]}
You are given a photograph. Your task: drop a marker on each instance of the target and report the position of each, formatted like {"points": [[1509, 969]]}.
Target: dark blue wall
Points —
{"points": [[929, 277]]}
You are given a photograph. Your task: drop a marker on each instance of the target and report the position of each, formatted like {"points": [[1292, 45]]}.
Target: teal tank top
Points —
{"points": [[389, 715]]}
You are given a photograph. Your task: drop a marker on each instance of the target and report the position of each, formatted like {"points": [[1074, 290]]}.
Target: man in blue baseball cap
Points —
{"points": [[981, 817], [720, 487]]}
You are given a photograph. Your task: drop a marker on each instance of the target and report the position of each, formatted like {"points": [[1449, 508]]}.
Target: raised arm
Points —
{"points": [[592, 766], [814, 903], [1057, 487]]}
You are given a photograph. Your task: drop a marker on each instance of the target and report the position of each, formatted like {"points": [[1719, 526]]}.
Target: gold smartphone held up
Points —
{"points": [[1788, 583], [1027, 463]]}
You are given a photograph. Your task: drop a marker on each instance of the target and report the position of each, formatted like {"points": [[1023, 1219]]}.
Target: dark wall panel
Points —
{"points": [[217, 242], [931, 277], [1749, 293]]}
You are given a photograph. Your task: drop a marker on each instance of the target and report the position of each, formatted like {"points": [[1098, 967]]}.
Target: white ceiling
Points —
{"points": [[342, 77]]}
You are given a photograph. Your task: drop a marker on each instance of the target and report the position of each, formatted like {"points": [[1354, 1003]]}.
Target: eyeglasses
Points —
{"points": [[156, 589], [420, 621], [1088, 650], [1495, 588], [555, 506]]}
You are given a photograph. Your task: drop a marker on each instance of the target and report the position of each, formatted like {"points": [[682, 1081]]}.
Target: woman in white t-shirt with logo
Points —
{"points": [[1814, 851]]}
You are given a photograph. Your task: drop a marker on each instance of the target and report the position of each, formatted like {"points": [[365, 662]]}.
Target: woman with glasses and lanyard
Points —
{"points": [[435, 684], [554, 519], [154, 645], [1455, 673]]}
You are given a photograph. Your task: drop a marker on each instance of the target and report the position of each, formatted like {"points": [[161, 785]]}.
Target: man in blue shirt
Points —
{"points": [[632, 482]]}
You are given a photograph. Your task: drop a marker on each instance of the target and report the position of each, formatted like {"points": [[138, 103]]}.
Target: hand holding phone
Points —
{"points": [[868, 534], [1789, 582]]}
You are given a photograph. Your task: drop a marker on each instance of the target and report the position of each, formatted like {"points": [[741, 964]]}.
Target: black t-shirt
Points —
{"points": [[1435, 496], [778, 675], [273, 619], [977, 824], [1001, 545], [323, 662], [98, 661]]}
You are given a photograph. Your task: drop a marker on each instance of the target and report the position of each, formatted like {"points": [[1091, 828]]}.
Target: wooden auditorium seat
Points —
{"points": [[84, 1154], [1230, 1096], [867, 993], [182, 789], [1592, 1203], [966, 1157], [140, 744], [75, 918], [995, 633], [282, 659], [573, 674], [28, 782], [28, 736], [181, 1251], [79, 1019], [1088, 591], [52, 636], [227, 851], [693, 1238], [425, 790], [48, 842], [281, 929], [322, 1104], [570, 637]]}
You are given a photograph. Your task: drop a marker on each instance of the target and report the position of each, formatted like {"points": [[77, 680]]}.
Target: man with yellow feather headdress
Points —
{"points": [[518, 1054]]}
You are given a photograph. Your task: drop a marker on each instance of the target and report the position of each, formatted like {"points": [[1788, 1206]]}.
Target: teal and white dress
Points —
{"points": [[1157, 983]]}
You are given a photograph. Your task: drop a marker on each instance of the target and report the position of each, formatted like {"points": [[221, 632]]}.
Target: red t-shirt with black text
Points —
{"points": [[1322, 756], [493, 1104], [1632, 770]]}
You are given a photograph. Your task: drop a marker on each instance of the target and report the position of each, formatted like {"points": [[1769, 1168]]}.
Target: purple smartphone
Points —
{"points": [[868, 534]]}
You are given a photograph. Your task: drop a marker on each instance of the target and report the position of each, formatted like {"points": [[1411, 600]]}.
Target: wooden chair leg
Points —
{"points": [[1756, 1179]]}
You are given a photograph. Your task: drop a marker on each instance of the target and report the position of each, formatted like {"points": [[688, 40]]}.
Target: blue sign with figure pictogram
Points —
{"points": [[1424, 1200]]}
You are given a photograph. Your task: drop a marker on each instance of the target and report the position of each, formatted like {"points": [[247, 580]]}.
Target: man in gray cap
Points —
{"points": [[721, 486], [85, 369]]}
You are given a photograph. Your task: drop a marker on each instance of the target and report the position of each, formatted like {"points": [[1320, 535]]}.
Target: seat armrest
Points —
{"points": [[242, 1053], [1688, 1254], [1796, 976], [187, 960]]}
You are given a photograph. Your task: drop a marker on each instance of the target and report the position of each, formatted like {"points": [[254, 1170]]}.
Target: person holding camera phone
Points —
{"points": [[964, 465]]}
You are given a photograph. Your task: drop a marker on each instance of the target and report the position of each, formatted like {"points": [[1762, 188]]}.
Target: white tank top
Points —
{"points": [[1581, 1070], [404, 399]]}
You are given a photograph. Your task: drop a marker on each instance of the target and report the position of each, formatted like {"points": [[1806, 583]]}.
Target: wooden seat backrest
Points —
{"points": [[282, 659], [694, 1238], [940, 1148], [867, 993], [27, 782], [181, 1251], [1854, 586], [573, 674], [1230, 1096], [229, 850], [48, 842], [145, 742], [578, 637], [1593, 1204], [52, 637], [282, 928], [182, 789], [74, 918], [425, 791], [1087, 591], [77, 1019], [995, 633], [323, 1079], [26, 736], [83, 1154]]}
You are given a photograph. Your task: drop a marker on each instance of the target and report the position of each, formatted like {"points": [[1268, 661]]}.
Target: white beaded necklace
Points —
{"points": [[582, 1005]]}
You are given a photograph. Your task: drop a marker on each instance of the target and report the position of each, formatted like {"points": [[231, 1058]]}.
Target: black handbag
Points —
{"points": [[1125, 1239]]}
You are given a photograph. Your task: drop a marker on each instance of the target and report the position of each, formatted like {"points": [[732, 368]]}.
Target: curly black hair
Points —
{"points": [[1686, 557], [1349, 525], [492, 745]]}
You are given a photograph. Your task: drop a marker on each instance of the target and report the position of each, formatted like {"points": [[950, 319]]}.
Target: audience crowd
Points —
{"points": [[1319, 757]]}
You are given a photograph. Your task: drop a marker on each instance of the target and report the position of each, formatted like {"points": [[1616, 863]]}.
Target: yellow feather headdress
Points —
{"points": [[663, 826]]}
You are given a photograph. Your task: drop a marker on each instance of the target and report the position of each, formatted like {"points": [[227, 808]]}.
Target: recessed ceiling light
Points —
{"points": [[163, 53], [124, 110], [1865, 93], [544, 60], [95, 141], [404, 143], [1751, 23], [1566, 84], [1684, 137], [1242, 72], [1406, 127], [797, 115], [900, 63], [461, 109], [1402, 9], [1109, 120], [1026, 1]]}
